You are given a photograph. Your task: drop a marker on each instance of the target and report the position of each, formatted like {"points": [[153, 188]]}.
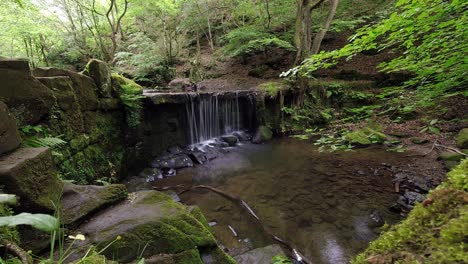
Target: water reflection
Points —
{"points": [[319, 202]]}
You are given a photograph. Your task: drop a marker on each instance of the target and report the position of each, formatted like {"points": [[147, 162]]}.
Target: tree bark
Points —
{"points": [[303, 28], [321, 34]]}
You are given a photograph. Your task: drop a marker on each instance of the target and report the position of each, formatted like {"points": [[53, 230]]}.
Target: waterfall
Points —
{"points": [[212, 115]]}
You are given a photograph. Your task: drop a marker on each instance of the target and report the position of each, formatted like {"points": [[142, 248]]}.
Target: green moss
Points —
{"points": [[265, 133], [462, 138], [196, 212], [365, 136], [435, 233], [121, 80], [272, 88], [220, 257], [188, 257]]}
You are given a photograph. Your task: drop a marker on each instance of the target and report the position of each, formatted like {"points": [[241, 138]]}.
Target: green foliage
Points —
{"points": [[431, 127], [280, 259], [246, 41], [431, 36], [130, 94], [271, 88], [41, 222], [38, 136], [333, 141]]}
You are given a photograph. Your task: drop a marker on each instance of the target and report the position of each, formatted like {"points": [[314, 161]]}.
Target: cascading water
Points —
{"points": [[212, 115]]}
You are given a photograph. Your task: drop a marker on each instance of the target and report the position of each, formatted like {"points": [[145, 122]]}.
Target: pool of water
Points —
{"points": [[319, 202]]}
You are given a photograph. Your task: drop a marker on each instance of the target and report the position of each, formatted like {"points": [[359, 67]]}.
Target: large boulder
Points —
{"points": [[263, 134], [80, 201], [84, 86], [27, 98], [462, 139], [152, 221], [30, 173], [101, 75], [9, 135]]}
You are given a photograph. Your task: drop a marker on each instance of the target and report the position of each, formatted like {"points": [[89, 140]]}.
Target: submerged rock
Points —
{"points": [[377, 218], [151, 220], [260, 255], [80, 201]]}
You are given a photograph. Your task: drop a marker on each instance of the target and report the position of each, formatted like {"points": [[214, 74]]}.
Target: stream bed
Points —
{"points": [[329, 206]]}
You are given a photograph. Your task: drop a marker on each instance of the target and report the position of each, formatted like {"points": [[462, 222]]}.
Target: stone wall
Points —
{"points": [[81, 110]]}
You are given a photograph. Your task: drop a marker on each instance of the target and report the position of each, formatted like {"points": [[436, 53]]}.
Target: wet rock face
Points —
{"points": [[150, 220], [80, 201], [230, 139], [30, 173], [9, 135]]}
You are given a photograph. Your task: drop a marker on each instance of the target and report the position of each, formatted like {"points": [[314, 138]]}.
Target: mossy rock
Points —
{"points": [[9, 136], [263, 134], [151, 220], [27, 98], [365, 136], [84, 86], [99, 71], [80, 201], [30, 174], [450, 159], [435, 230], [462, 139]]}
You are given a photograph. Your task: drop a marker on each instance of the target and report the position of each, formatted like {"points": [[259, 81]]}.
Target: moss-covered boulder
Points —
{"points": [[150, 220], [84, 86], [80, 201], [462, 139], [9, 135], [263, 134], [370, 134], [30, 173], [99, 71], [450, 159], [27, 98]]}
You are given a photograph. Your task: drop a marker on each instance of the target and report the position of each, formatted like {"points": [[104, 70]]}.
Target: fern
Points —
{"points": [[247, 41], [51, 142]]}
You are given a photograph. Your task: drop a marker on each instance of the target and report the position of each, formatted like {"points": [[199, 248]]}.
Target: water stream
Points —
{"points": [[210, 116], [320, 202]]}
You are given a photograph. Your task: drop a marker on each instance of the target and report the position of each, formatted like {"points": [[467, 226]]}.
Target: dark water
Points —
{"points": [[319, 202]]}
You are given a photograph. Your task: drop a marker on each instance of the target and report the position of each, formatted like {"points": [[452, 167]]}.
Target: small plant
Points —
{"points": [[431, 127], [38, 136], [281, 259]]}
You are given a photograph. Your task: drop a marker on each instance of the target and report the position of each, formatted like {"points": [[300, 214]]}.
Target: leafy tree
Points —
{"points": [[431, 37]]}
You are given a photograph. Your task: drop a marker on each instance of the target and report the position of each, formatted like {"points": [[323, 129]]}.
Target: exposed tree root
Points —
{"points": [[15, 250], [437, 145], [298, 256]]}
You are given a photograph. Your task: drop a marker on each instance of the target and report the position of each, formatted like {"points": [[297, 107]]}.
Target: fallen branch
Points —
{"points": [[298, 256], [16, 251], [452, 149]]}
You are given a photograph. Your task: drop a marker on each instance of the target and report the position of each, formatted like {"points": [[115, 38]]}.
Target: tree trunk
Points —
{"points": [[321, 34], [303, 28]]}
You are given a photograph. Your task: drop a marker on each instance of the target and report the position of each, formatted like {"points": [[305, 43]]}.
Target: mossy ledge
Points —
{"points": [[436, 231]]}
